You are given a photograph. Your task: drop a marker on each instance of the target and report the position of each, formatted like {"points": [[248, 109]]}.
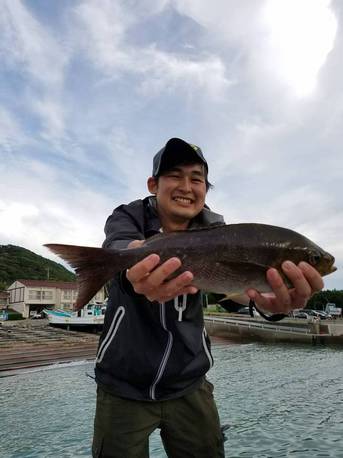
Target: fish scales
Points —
{"points": [[224, 259]]}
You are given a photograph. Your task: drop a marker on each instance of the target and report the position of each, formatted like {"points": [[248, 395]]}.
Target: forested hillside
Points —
{"points": [[17, 262]]}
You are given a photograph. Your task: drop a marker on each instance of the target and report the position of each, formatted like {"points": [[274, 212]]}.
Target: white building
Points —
{"points": [[26, 296]]}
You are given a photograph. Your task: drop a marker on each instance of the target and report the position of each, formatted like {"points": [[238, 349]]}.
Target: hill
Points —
{"points": [[17, 262]]}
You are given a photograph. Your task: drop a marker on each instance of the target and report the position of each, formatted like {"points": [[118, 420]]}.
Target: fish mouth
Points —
{"points": [[330, 263]]}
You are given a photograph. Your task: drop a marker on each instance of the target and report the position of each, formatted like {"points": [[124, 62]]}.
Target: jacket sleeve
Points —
{"points": [[122, 227]]}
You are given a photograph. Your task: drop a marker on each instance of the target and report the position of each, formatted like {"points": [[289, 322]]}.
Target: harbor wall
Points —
{"points": [[253, 330]]}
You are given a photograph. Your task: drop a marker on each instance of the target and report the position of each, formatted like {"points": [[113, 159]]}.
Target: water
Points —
{"points": [[279, 401]]}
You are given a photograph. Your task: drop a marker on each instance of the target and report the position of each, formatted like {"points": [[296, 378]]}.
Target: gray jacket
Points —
{"points": [[150, 350]]}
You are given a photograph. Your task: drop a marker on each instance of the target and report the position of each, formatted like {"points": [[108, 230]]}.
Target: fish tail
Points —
{"points": [[93, 267]]}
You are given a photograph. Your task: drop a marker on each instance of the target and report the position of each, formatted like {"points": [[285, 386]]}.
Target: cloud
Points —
{"points": [[11, 134], [170, 72], [110, 51], [25, 42], [277, 47], [46, 206]]}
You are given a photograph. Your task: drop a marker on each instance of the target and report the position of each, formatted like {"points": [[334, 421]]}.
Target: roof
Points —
{"points": [[50, 284], [4, 294]]}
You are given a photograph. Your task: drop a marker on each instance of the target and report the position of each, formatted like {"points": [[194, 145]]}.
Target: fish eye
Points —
{"points": [[314, 258]]}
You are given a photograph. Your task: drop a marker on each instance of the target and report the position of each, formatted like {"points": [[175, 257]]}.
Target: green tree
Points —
{"points": [[19, 263]]}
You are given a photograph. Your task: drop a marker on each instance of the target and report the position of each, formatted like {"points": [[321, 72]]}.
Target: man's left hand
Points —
{"points": [[305, 279]]}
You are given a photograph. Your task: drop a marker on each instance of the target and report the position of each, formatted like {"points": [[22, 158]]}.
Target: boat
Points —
{"points": [[92, 315]]}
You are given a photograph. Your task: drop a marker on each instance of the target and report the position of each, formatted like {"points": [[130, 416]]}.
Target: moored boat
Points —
{"points": [[91, 315]]}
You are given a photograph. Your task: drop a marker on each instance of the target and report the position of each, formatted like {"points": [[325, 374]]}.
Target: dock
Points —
{"points": [[25, 347], [288, 330]]}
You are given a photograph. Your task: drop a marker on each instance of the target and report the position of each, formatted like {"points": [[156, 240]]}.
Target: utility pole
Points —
{"points": [[48, 273]]}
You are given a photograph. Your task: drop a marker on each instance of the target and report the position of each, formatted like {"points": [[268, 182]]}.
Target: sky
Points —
{"points": [[90, 90]]}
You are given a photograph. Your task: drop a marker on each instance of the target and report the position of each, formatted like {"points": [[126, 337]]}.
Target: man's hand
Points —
{"points": [[305, 279], [151, 281]]}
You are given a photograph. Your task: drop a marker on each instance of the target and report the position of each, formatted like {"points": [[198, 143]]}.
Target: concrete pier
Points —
{"points": [[253, 329]]}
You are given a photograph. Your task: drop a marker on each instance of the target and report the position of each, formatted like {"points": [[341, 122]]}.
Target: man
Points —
{"points": [[154, 352]]}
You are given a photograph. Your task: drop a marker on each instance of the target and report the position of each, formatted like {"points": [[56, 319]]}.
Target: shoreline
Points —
{"points": [[29, 344]]}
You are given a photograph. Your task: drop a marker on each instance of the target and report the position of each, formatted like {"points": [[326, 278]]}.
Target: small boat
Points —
{"points": [[91, 315]]}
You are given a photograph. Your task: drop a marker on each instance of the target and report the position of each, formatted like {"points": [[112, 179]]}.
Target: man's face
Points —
{"points": [[180, 192]]}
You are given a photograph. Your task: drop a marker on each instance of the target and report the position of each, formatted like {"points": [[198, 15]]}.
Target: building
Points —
{"points": [[32, 296], [4, 296]]}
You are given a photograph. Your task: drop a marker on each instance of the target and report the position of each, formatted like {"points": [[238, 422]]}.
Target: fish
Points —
{"points": [[225, 259]]}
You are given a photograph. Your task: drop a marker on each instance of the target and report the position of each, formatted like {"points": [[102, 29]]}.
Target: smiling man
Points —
{"points": [[154, 352]]}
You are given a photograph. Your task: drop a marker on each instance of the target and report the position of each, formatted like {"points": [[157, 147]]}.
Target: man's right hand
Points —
{"points": [[151, 281]]}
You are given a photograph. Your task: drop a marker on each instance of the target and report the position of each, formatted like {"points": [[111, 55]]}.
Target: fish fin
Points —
{"points": [[248, 269], [251, 273], [93, 267], [240, 276]]}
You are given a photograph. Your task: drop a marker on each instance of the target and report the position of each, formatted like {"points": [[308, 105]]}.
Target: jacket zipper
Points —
{"points": [[180, 308], [166, 352], [118, 316], [207, 351]]}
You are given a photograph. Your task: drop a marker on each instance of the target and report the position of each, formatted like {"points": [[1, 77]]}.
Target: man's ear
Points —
{"points": [[152, 185]]}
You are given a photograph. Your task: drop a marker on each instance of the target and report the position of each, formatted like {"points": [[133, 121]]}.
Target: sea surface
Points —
{"points": [[275, 400]]}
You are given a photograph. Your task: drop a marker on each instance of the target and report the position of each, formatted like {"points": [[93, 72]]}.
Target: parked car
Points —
{"points": [[319, 313], [302, 315], [323, 315]]}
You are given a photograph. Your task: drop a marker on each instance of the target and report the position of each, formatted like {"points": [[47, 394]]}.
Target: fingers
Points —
{"points": [[302, 289], [142, 268], [305, 280], [312, 276], [151, 281], [278, 302]]}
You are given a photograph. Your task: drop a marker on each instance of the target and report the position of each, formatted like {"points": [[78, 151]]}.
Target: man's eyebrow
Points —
{"points": [[193, 172], [198, 172]]}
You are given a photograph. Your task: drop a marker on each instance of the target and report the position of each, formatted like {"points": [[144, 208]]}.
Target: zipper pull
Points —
{"points": [[180, 308]]}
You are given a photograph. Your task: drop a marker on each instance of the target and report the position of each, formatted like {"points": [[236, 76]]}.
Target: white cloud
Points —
{"points": [[281, 43], [27, 43], [99, 30], [170, 72], [108, 48], [11, 135], [52, 115], [47, 206]]}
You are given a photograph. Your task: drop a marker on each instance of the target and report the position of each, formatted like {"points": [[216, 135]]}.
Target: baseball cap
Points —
{"points": [[175, 152]]}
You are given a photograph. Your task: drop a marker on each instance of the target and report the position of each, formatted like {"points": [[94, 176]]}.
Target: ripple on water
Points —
{"points": [[278, 401]]}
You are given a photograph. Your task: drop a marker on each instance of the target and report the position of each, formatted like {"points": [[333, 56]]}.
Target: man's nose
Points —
{"points": [[186, 184]]}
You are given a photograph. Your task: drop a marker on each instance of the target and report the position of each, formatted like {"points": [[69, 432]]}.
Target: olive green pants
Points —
{"points": [[189, 426]]}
